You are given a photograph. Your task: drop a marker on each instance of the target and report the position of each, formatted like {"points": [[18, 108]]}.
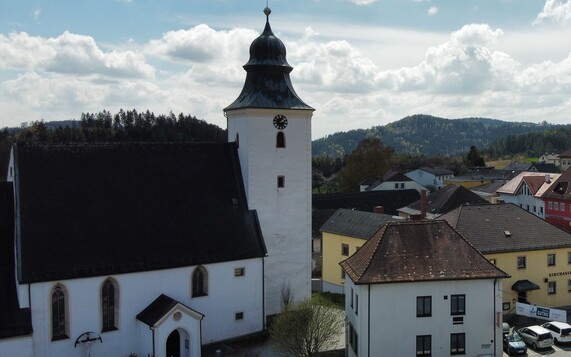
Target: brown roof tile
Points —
{"points": [[418, 251]]}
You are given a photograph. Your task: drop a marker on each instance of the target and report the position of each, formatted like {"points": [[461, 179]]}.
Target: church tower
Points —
{"points": [[272, 127]]}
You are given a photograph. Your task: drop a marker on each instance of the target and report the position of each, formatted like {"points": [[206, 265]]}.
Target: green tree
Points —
{"points": [[306, 328], [369, 159], [474, 157]]}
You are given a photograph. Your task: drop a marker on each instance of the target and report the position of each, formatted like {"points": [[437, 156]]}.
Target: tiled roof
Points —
{"points": [[512, 186], [505, 228], [445, 200], [561, 188], [354, 223], [565, 154], [366, 201], [100, 209], [534, 183], [418, 251], [14, 320]]}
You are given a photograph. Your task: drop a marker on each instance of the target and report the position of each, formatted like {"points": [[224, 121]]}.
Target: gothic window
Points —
{"points": [[199, 282], [59, 313], [280, 140], [109, 305]]}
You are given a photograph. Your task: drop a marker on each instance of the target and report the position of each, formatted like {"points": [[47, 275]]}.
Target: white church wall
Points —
{"points": [[17, 347], [284, 213], [227, 295]]}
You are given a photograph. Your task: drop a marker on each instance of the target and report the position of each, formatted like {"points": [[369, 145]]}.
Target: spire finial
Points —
{"points": [[267, 11]]}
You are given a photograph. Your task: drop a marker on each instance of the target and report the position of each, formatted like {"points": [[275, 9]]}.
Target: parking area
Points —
{"points": [[555, 351]]}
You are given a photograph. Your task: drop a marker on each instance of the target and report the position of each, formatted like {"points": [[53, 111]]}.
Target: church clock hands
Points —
{"points": [[280, 121]]}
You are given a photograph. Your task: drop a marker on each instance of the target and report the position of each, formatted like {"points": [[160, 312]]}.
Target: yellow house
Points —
{"points": [[535, 253], [343, 234]]}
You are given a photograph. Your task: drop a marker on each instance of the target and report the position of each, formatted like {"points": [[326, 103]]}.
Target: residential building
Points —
{"points": [[142, 248], [565, 160], [557, 201], [526, 190], [342, 235], [550, 159], [366, 201], [391, 181], [516, 167], [440, 202], [535, 253], [430, 177], [419, 288]]}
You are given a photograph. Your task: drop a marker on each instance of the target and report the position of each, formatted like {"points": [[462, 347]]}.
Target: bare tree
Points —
{"points": [[307, 327], [287, 295]]}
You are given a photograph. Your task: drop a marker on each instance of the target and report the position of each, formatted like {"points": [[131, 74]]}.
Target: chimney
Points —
{"points": [[379, 209], [547, 178], [422, 204]]}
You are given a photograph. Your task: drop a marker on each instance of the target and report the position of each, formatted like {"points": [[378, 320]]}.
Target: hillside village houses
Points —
{"points": [[423, 285], [430, 177], [143, 248]]}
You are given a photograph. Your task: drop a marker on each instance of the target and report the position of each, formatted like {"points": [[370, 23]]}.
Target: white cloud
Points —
{"points": [[71, 54], [363, 2], [36, 14], [432, 11], [555, 11]]}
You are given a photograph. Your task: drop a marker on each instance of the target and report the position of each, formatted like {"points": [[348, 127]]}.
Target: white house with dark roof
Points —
{"points": [[419, 288], [156, 249], [430, 176], [391, 181]]}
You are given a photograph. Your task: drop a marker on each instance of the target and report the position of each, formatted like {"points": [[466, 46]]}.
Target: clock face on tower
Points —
{"points": [[280, 121]]}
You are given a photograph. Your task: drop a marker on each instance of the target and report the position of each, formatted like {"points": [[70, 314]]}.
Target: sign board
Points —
{"points": [[539, 312]]}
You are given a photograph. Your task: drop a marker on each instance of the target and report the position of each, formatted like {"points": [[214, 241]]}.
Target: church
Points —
{"points": [[156, 249]]}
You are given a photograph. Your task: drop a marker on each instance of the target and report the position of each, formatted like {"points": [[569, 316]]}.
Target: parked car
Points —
{"points": [[560, 331], [536, 336], [514, 345]]}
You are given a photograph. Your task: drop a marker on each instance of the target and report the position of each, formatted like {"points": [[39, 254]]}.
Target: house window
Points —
{"points": [[569, 285], [458, 304], [506, 306], [239, 316], [59, 314], [457, 343], [568, 257], [550, 259], [353, 339], [550, 205], [240, 271], [424, 345], [562, 207], [280, 140], [356, 304], [351, 298], [493, 261], [199, 282], [345, 249], [423, 306], [541, 210], [551, 287], [402, 185], [396, 185], [281, 181], [556, 206], [342, 274], [109, 305], [521, 262]]}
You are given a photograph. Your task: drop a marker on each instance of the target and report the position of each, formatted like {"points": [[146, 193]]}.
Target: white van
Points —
{"points": [[536, 336], [560, 331]]}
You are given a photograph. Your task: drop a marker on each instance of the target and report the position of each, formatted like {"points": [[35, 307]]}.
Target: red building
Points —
{"points": [[558, 202]]}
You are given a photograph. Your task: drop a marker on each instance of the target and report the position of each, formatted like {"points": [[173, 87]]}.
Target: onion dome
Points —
{"points": [[268, 84]]}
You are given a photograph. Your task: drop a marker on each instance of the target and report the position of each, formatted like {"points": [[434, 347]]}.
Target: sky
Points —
{"points": [[359, 63]]}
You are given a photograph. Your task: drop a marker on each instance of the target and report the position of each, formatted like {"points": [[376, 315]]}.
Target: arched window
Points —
{"points": [[199, 282], [109, 305], [280, 139], [59, 313]]}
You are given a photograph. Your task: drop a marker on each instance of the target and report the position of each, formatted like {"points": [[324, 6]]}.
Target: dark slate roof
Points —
{"points": [[418, 251], [561, 188], [318, 219], [366, 201], [524, 166], [437, 171], [565, 154], [158, 308], [448, 198], [100, 209], [544, 167], [503, 228], [268, 84], [14, 320], [356, 224]]}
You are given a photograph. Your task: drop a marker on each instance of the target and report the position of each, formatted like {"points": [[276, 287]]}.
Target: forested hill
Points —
{"points": [[428, 135]]}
